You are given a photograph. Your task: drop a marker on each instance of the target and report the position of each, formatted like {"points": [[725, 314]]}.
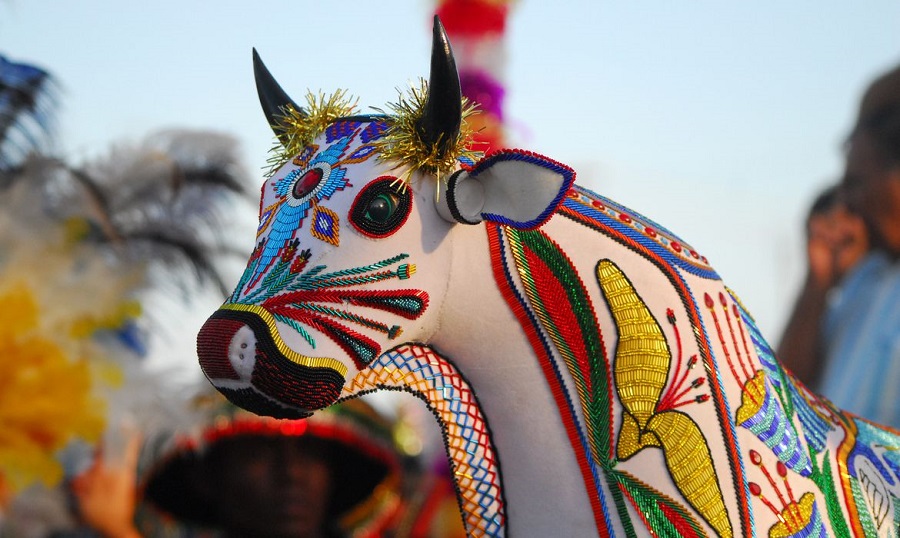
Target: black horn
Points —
{"points": [[273, 99], [442, 116]]}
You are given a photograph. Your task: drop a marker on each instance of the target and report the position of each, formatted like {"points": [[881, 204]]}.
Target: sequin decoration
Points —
{"points": [[662, 514], [476, 473], [373, 131], [817, 420], [761, 413], [764, 352], [306, 184], [325, 225], [341, 129], [541, 343]]}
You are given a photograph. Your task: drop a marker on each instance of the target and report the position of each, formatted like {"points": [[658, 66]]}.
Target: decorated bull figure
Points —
{"points": [[591, 373]]}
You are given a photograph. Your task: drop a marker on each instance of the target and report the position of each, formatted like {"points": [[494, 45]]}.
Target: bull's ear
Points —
{"points": [[511, 187]]}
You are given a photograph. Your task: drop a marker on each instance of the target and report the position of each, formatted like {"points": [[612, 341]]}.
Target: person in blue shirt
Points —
{"points": [[843, 337]]}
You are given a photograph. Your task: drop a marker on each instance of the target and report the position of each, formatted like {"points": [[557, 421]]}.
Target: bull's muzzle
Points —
{"points": [[243, 356]]}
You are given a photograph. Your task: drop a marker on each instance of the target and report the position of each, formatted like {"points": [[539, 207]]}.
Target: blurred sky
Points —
{"points": [[719, 120]]}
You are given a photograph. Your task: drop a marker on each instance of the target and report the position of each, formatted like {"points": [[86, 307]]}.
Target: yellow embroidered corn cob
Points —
{"points": [[690, 464], [642, 355], [641, 369]]}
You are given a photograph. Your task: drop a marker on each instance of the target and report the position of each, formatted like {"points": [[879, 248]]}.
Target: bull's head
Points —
{"points": [[345, 219]]}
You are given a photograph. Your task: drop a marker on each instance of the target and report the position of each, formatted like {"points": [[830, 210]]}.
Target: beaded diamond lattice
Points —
{"points": [[421, 371]]}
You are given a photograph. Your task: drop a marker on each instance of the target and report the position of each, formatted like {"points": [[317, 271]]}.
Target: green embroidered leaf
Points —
{"points": [[663, 516]]}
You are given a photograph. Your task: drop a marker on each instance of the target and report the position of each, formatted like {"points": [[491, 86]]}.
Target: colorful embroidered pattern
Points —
{"points": [[641, 369], [795, 517], [314, 177], [640, 229], [313, 181], [421, 371], [703, 407], [561, 309], [582, 206], [594, 449], [295, 297], [761, 410], [325, 225], [862, 485]]}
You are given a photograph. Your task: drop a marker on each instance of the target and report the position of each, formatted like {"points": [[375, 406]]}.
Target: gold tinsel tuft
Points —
{"points": [[403, 143], [298, 129]]}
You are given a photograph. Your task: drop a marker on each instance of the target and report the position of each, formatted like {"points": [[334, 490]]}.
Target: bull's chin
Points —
{"points": [[242, 355], [256, 402]]}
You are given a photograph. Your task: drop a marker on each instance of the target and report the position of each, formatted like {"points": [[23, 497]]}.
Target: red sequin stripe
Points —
{"points": [[371, 298], [556, 301], [692, 309], [556, 389]]}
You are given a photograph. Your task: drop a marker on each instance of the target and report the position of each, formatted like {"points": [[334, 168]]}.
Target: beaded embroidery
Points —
{"points": [[397, 205], [424, 373], [325, 225], [562, 307], [294, 297], [639, 229]]}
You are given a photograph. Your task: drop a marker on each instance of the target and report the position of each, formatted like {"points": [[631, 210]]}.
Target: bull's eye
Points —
{"points": [[381, 207]]}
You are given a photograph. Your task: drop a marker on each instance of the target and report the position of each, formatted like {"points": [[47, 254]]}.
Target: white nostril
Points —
{"points": [[242, 352]]}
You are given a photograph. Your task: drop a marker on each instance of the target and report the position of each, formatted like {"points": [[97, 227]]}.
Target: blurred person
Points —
{"points": [[333, 474], [836, 240], [94, 258], [857, 331]]}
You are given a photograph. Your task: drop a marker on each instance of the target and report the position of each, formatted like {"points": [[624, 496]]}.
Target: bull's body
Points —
{"points": [[591, 373]]}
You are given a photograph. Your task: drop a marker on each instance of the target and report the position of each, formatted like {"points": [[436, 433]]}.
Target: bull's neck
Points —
{"points": [[520, 398]]}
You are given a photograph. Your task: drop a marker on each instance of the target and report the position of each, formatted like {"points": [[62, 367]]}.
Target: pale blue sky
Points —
{"points": [[718, 120]]}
